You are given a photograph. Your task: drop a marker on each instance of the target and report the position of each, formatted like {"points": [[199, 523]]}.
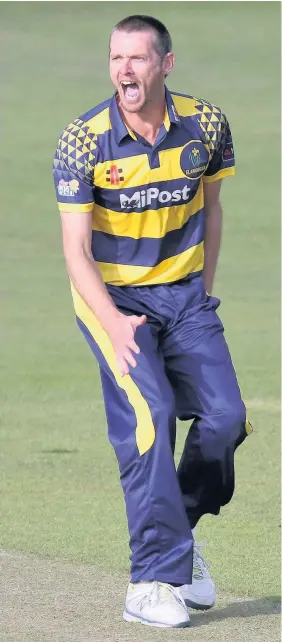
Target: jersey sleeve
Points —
{"points": [[73, 168], [222, 161]]}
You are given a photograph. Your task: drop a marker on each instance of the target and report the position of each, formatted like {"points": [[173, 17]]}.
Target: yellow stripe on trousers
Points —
{"points": [[145, 430]]}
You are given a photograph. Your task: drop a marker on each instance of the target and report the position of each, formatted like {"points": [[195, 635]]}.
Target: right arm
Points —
{"points": [[86, 277], [82, 269], [73, 180]]}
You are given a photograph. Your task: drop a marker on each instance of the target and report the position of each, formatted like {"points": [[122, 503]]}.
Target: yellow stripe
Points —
{"points": [[172, 269], [137, 171], [145, 430], [75, 207], [184, 106], [149, 224], [101, 122], [228, 171]]}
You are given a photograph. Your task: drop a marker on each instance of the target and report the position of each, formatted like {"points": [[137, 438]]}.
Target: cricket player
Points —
{"points": [[138, 182]]}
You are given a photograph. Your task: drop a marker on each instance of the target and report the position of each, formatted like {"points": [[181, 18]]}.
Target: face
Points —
{"points": [[137, 70]]}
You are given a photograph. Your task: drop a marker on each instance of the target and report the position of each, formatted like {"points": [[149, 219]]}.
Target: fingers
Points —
{"points": [[125, 361], [129, 358], [134, 347], [138, 320], [123, 367], [125, 345]]}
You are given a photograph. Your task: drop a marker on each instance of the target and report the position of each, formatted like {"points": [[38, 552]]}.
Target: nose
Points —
{"points": [[126, 65]]}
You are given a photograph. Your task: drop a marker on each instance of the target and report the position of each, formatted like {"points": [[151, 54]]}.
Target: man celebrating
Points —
{"points": [[138, 180]]}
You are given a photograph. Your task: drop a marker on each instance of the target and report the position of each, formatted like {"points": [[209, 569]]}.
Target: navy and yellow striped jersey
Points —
{"points": [[147, 201]]}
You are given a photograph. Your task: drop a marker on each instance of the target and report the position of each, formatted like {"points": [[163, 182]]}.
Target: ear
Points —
{"points": [[168, 63]]}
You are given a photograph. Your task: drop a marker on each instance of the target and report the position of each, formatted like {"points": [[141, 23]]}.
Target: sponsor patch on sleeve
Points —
{"points": [[68, 188], [228, 153]]}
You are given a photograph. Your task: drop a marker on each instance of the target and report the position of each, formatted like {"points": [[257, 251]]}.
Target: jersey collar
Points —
{"points": [[121, 130]]}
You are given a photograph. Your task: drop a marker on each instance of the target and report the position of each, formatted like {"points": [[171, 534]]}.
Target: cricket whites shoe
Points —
{"points": [[201, 593], [155, 604]]}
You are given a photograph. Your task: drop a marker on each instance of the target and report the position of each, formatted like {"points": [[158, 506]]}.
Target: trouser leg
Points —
{"points": [[201, 373], [141, 417]]}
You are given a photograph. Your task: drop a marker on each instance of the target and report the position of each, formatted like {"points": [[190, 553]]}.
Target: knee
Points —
{"points": [[233, 419], [227, 429]]}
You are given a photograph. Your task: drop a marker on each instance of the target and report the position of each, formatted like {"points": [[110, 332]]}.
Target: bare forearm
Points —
{"points": [[87, 279], [213, 228]]}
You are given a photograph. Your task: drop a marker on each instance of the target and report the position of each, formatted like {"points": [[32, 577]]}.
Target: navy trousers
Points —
{"points": [[184, 370]]}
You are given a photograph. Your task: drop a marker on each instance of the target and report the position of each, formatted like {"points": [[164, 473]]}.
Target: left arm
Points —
{"points": [[213, 227], [221, 165]]}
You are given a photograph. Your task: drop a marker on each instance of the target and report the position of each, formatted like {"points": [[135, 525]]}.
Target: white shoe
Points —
{"points": [[201, 593], [155, 604]]}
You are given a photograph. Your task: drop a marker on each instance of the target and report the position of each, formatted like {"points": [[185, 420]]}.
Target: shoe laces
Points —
{"points": [[200, 566], [160, 593]]}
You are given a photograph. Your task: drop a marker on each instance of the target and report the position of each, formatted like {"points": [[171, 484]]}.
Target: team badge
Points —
{"points": [[194, 159]]}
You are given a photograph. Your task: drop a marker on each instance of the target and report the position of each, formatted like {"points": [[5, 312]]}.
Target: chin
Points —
{"points": [[131, 107]]}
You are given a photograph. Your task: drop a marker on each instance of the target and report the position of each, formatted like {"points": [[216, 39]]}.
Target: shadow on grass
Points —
{"points": [[246, 608]]}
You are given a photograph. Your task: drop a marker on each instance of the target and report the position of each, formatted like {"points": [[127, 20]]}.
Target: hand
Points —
{"points": [[121, 335]]}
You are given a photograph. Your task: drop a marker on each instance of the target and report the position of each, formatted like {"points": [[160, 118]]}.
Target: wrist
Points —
{"points": [[208, 283], [111, 317]]}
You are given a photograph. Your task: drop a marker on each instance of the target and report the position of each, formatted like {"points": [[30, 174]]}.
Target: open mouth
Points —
{"points": [[130, 89]]}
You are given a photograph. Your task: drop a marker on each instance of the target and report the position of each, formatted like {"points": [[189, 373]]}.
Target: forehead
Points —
{"points": [[124, 42]]}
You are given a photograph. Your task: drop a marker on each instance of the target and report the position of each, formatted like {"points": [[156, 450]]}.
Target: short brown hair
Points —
{"points": [[163, 42]]}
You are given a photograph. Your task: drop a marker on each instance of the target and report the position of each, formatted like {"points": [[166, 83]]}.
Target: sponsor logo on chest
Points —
{"points": [[145, 198]]}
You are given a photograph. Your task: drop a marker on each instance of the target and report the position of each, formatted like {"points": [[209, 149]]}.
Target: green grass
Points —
{"points": [[61, 496]]}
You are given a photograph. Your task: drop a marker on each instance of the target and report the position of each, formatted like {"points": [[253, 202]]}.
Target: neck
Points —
{"points": [[146, 122]]}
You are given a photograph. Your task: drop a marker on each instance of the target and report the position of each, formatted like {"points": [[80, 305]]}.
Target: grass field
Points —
{"points": [[63, 529]]}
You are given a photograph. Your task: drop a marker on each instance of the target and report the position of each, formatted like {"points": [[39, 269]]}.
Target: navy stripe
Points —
{"points": [[110, 198], [147, 252], [172, 112], [110, 150]]}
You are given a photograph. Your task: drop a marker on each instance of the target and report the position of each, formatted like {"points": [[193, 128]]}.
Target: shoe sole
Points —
{"points": [[129, 617], [198, 607]]}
